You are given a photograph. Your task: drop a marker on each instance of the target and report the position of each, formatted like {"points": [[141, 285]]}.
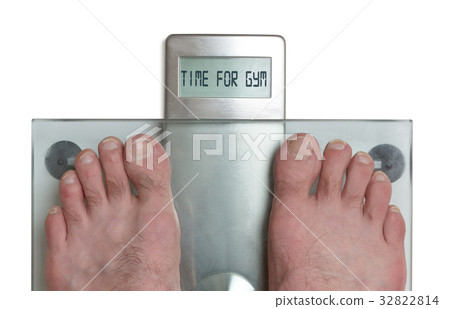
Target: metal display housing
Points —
{"points": [[188, 45]]}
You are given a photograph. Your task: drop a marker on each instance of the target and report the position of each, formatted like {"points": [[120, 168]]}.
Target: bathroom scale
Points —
{"points": [[224, 121]]}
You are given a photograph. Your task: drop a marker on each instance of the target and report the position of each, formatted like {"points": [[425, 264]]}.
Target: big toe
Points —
{"points": [[147, 166], [297, 165]]}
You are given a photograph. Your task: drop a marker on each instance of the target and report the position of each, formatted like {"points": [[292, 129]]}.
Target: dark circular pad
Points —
{"points": [[391, 158], [60, 158]]}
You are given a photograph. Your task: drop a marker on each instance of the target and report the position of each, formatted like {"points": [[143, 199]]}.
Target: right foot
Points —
{"points": [[334, 239], [105, 238]]}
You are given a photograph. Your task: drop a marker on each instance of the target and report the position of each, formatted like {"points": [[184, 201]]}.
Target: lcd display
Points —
{"points": [[224, 77]]}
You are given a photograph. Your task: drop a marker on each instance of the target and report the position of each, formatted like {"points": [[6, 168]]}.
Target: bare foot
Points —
{"points": [[104, 237], [334, 239]]}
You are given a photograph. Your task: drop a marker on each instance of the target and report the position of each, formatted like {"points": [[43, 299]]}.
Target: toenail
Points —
{"points": [[68, 178], [53, 210], [302, 146], [110, 143], [380, 176], [143, 150], [294, 145], [86, 158], [337, 144], [394, 208], [364, 158]]}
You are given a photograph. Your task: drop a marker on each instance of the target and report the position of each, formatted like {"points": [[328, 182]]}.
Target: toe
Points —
{"points": [[55, 229], [394, 227], [90, 175], [72, 198], [297, 165], [148, 166], [116, 179], [337, 155], [359, 173], [378, 195]]}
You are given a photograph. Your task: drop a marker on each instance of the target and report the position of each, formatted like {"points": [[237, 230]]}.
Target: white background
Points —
{"points": [[58, 61]]}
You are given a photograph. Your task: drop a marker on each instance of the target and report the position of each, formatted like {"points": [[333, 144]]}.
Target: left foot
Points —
{"points": [[104, 237]]}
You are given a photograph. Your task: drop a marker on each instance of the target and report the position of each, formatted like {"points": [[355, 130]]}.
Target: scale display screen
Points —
{"points": [[224, 77], [215, 76]]}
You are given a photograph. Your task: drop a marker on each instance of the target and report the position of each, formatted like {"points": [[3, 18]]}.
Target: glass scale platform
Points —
{"points": [[224, 211]]}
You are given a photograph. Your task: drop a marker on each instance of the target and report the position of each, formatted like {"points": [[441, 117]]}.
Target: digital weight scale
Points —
{"points": [[215, 85]]}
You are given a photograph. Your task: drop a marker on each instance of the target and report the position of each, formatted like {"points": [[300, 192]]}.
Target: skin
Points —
{"points": [[346, 238], [97, 222], [339, 238]]}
